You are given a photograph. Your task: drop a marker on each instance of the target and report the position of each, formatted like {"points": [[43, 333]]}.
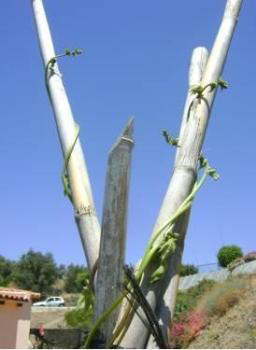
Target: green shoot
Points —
{"points": [[169, 139], [157, 252], [199, 91], [49, 70]]}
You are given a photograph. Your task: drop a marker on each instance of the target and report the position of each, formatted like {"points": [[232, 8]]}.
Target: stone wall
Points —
{"points": [[59, 338], [193, 280]]}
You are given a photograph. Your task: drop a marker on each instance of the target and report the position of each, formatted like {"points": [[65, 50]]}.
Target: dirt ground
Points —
{"points": [[50, 317], [236, 329]]}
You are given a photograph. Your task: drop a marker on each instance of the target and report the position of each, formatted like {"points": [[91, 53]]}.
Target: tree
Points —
{"points": [[61, 271], [36, 271], [6, 271], [75, 278], [228, 253], [186, 270]]}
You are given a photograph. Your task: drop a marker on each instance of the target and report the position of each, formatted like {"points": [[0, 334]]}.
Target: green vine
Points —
{"points": [[199, 91], [157, 251], [49, 70], [173, 141]]}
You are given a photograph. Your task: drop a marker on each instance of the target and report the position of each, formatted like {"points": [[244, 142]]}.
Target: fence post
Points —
{"points": [[114, 222]]}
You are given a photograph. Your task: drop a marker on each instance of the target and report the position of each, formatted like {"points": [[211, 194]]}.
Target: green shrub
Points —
{"points": [[82, 315], [187, 322], [186, 300], [186, 270], [228, 253], [223, 296], [75, 278]]}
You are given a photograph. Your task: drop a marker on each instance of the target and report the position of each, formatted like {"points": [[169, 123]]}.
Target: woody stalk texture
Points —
{"points": [[184, 176], [82, 199]]}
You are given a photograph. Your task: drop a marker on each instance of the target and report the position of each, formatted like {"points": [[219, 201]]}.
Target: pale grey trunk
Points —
{"points": [[136, 329], [85, 215], [162, 295], [174, 198], [188, 153]]}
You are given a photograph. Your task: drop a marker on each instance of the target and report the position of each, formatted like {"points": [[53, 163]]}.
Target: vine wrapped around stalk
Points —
{"points": [[157, 251], [49, 70]]}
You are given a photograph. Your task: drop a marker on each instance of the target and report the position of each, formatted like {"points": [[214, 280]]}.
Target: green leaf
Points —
{"points": [[197, 90], [78, 51], [158, 273], [202, 162], [213, 173], [167, 248], [68, 52], [212, 86], [222, 83], [169, 139], [51, 64], [74, 52]]}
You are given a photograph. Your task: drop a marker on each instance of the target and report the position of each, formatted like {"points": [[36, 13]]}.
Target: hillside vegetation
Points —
{"points": [[217, 315]]}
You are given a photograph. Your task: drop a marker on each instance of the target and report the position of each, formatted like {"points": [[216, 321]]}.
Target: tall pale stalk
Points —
{"points": [[189, 152], [197, 65], [162, 295], [87, 222]]}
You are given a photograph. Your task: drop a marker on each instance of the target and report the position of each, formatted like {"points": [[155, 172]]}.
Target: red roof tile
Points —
{"points": [[18, 294]]}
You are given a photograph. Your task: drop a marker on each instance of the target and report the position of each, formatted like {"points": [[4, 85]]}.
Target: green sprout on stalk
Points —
{"points": [[173, 141], [199, 91], [166, 235], [49, 70], [162, 244]]}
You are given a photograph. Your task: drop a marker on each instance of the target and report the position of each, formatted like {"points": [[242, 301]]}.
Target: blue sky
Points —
{"points": [[135, 62]]}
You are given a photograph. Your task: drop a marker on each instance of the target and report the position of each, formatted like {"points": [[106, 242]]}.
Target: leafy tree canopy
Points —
{"points": [[36, 271], [186, 270], [6, 271], [75, 278]]}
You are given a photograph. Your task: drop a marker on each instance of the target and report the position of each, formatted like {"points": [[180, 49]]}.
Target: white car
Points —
{"points": [[51, 301]]}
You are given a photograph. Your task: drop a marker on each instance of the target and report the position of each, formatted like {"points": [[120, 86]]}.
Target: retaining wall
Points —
{"points": [[190, 281]]}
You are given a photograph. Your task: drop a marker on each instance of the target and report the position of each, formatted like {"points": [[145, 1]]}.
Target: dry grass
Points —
{"points": [[223, 317], [223, 296], [232, 316]]}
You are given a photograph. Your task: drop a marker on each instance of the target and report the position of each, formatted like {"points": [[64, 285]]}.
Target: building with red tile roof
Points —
{"points": [[15, 313]]}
